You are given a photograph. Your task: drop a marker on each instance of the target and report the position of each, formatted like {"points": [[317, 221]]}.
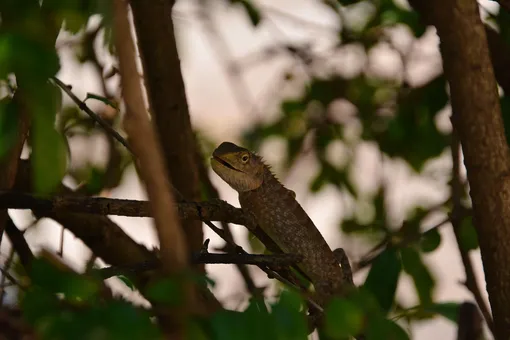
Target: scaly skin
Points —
{"points": [[280, 216]]}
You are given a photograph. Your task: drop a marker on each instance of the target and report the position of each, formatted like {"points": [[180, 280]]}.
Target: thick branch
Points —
{"points": [[498, 47], [167, 99], [476, 116], [457, 192], [216, 210]]}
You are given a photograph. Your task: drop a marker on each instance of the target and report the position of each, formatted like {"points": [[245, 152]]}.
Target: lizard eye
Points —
{"points": [[245, 158]]}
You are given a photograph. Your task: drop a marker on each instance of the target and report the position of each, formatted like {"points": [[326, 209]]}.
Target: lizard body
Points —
{"points": [[280, 216]]}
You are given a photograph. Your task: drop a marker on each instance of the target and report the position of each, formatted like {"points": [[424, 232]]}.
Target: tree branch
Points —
{"points": [[153, 172], [211, 258], [476, 117], [215, 210], [166, 94], [19, 244], [456, 219], [111, 131]]}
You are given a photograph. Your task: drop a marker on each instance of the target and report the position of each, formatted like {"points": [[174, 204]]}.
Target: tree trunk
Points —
{"points": [[169, 107], [477, 119]]}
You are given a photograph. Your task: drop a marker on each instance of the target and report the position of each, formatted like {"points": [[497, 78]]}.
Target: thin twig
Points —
{"points": [[19, 244], [374, 253], [456, 193], [7, 266], [92, 114], [12, 279], [210, 258]]}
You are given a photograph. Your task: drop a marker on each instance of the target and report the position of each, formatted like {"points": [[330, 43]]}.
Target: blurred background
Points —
{"points": [[347, 104]]}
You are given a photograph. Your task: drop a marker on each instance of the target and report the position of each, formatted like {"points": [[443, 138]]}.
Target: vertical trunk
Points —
{"points": [[477, 119], [169, 107]]}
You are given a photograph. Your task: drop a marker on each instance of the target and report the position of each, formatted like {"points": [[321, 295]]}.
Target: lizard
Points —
{"points": [[280, 216]]}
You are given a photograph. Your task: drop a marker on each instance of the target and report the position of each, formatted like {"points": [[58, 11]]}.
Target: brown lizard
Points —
{"points": [[280, 216]]}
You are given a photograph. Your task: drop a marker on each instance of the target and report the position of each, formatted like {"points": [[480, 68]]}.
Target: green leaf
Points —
{"points": [[289, 321], [102, 99], [127, 282], [380, 328], [449, 310], [383, 278], [49, 151], [167, 290], [30, 59], [430, 240], [74, 287], [251, 10], [412, 134], [468, 238], [230, 325], [423, 280], [343, 318]]}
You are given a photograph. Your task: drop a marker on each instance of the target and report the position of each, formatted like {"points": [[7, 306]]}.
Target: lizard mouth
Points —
{"points": [[225, 164]]}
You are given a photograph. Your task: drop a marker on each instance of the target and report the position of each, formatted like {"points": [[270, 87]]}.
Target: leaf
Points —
{"points": [[383, 278], [31, 60], [423, 280], [73, 286], [166, 290], [251, 10], [49, 152], [430, 240], [229, 325], [127, 282], [343, 318], [289, 320], [380, 328], [467, 236], [101, 99], [449, 310], [412, 134]]}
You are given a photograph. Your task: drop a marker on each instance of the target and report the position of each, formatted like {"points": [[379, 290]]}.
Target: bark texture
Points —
{"points": [[169, 107], [477, 119]]}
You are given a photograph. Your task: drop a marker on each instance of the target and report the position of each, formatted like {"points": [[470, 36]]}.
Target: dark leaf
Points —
{"points": [[449, 310], [166, 291], [251, 10], [49, 151], [423, 280], [343, 318], [468, 238], [383, 278], [430, 240], [380, 328], [127, 282]]}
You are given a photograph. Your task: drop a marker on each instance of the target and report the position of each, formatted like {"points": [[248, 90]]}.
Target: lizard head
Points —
{"points": [[240, 168]]}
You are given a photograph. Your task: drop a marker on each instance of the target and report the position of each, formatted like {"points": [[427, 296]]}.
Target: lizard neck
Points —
{"points": [[270, 189]]}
